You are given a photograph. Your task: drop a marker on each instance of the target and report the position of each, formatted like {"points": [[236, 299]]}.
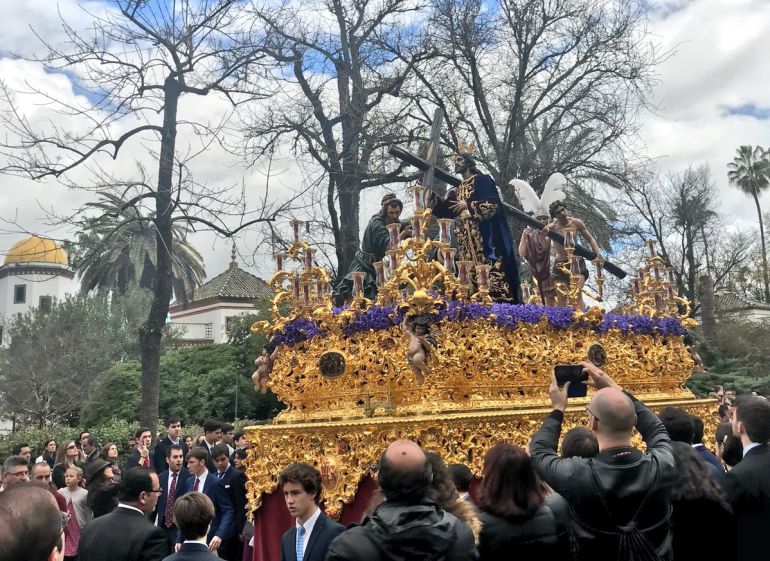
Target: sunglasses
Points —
{"points": [[72, 447]]}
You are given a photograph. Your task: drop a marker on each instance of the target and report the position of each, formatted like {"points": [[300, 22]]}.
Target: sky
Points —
{"points": [[712, 95]]}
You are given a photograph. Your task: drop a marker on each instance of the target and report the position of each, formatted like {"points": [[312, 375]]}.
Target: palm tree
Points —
{"points": [[119, 250], [750, 172]]}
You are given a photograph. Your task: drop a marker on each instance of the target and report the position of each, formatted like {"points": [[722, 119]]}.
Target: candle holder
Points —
{"points": [[296, 225], [308, 258], [444, 225], [525, 291], [279, 258], [417, 226], [448, 255], [379, 271], [569, 238], [418, 193], [394, 231], [654, 290], [482, 279], [651, 248]]}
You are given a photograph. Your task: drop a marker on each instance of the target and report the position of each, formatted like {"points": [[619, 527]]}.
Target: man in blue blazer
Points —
{"points": [[202, 481], [172, 482], [235, 483], [193, 514], [309, 538]]}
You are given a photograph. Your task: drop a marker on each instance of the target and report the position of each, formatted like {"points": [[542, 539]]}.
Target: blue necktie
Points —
{"points": [[300, 541]]}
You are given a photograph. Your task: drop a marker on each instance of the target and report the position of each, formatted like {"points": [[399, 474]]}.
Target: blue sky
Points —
{"points": [[713, 95]]}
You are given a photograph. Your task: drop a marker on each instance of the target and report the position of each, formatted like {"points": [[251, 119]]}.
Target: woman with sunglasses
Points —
{"points": [[67, 456], [374, 245]]}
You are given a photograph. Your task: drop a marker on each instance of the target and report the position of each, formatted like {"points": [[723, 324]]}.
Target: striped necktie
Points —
{"points": [[300, 542]]}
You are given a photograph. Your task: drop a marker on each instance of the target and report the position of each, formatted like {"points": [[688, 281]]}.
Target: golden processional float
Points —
{"points": [[351, 388]]}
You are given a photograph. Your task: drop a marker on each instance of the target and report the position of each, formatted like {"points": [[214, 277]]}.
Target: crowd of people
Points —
{"points": [[587, 495]]}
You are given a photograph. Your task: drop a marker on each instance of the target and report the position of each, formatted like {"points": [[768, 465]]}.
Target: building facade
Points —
{"points": [[35, 273], [206, 317]]}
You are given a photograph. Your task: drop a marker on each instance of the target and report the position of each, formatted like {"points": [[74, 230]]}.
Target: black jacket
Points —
{"points": [[542, 536], [703, 528], [748, 489], [324, 531], [398, 532], [193, 552], [609, 491], [160, 452], [235, 484], [124, 535]]}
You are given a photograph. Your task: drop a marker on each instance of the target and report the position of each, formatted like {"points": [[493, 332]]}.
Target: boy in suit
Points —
{"points": [[172, 438], [202, 481], [172, 482], [235, 484], [193, 514], [312, 533]]}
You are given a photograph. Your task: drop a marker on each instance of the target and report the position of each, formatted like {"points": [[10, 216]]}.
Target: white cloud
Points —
{"points": [[718, 62]]}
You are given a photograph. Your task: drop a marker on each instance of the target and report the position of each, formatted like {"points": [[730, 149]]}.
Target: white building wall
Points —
{"points": [[37, 285], [214, 315]]}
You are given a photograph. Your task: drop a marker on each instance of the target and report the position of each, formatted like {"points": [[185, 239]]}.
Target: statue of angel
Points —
{"points": [[535, 245]]}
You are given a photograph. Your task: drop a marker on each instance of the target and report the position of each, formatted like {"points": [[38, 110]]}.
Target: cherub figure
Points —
{"points": [[421, 345], [264, 364]]}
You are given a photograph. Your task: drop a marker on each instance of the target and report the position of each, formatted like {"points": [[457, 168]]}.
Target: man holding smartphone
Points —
{"points": [[621, 499]]}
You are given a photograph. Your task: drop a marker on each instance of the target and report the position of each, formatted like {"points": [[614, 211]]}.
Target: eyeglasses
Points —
{"points": [[72, 447], [24, 473], [159, 491], [592, 414]]}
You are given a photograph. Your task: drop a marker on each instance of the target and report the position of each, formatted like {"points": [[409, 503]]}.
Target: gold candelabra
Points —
{"points": [[653, 290], [298, 283], [572, 290]]}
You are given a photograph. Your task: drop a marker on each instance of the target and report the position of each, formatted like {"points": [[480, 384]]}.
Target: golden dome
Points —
{"points": [[36, 250]]}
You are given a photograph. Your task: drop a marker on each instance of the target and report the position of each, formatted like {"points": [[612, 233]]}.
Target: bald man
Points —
{"points": [[621, 499], [408, 525]]}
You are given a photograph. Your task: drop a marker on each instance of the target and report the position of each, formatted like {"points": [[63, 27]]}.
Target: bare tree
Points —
{"points": [[679, 212], [541, 86], [134, 65], [341, 65]]}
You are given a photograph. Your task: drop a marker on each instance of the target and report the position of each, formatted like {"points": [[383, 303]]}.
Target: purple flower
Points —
{"points": [[509, 316]]}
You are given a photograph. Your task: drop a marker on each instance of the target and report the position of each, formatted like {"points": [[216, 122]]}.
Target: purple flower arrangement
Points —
{"points": [[377, 318]]}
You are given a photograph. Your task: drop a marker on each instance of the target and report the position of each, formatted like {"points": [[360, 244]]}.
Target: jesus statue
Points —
{"points": [[481, 230]]}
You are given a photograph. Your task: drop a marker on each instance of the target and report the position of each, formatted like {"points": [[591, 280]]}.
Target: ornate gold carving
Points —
{"points": [[346, 451]]}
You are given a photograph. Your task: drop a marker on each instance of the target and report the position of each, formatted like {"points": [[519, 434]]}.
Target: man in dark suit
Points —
{"points": [[172, 482], [141, 454], [160, 453], [200, 480], [705, 454], [212, 433], [235, 484], [309, 538], [748, 483], [193, 514], [126, 534]]}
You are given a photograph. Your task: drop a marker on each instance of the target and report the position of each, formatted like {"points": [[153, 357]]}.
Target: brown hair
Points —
{"points": [[193, 513], [199, 453], [305, 475], [510, 486]]}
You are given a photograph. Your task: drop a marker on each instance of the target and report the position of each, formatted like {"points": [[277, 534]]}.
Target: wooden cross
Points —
{"points": [[430, 170]]}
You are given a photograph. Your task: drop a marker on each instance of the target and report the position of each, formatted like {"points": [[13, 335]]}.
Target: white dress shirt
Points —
{"points": [[129, 507], [749, 446], [201, 478], [308, 525]]}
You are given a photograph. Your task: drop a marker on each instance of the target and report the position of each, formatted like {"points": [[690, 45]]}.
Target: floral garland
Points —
{"points": [[377, 318]]}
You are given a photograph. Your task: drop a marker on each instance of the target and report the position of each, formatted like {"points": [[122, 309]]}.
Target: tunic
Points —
{"points": [[485, 238], [373, 247]]}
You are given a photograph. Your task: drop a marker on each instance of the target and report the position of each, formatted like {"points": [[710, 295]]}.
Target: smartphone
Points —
{"points": [[572, 373]]}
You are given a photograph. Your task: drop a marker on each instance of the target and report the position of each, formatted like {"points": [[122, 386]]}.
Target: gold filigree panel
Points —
{"points": [[345, 452], [478, 365]]}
